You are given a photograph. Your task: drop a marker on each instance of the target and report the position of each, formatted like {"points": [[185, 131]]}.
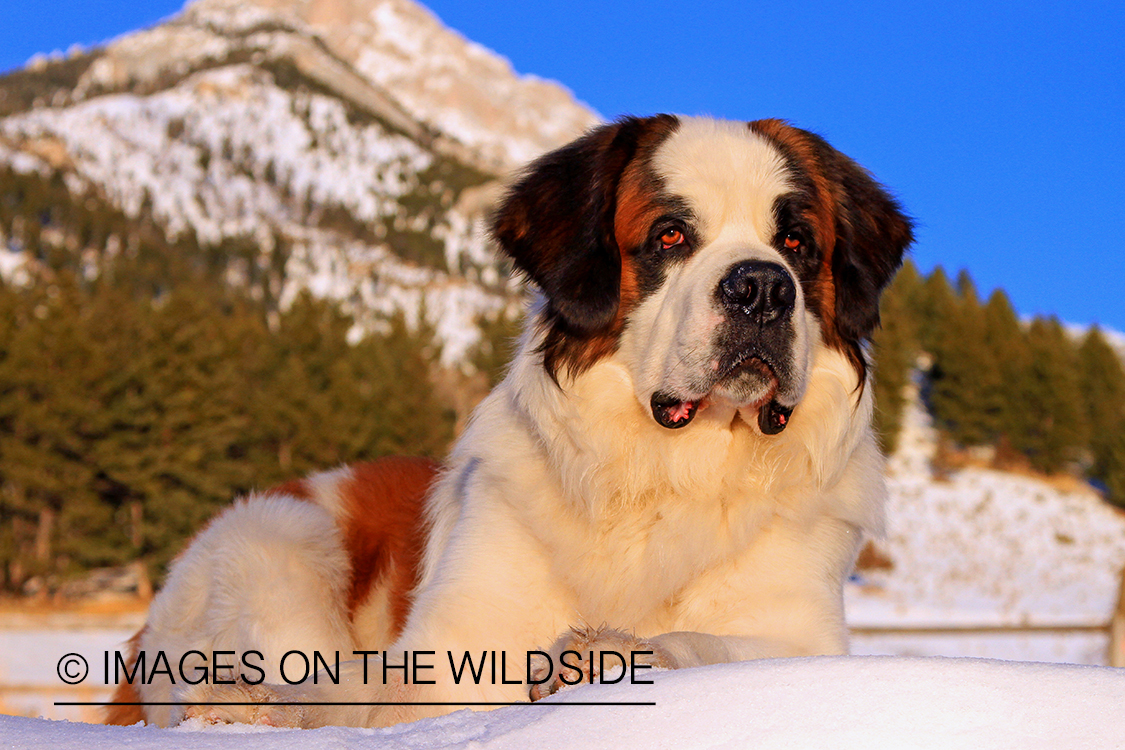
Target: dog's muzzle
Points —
{"points": [[758, 299]]}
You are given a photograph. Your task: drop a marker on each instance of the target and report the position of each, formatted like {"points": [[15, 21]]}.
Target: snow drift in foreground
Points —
{"points": [[820, 702]]}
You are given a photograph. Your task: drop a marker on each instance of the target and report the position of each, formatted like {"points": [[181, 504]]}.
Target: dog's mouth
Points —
{"points": [[773, 417], [673, 412]]}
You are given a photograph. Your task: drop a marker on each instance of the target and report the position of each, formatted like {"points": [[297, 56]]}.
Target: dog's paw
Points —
{"points": [[240, 703], [578, 657]]}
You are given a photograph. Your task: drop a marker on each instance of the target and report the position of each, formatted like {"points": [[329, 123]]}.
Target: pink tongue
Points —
{"points": [[681, 411], [670, 412]]}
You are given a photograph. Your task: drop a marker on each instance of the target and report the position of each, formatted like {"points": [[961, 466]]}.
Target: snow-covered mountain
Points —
{"points": [[361, 135]]}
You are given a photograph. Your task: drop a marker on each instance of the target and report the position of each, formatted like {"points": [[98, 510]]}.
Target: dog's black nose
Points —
{"points": [[759, 289]]}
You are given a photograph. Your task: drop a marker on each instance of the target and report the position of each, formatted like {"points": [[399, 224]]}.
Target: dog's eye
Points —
{"points": [[671, 238], [794, 241]]}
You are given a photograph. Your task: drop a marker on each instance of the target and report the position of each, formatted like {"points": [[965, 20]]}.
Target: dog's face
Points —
{"points": [[714, 257]]}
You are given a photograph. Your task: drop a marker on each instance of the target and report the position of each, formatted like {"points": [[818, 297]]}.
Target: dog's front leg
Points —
{"points": [[578, 657]]}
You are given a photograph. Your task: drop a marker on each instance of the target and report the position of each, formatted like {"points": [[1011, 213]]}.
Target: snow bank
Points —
{"points": [[823, 702]]}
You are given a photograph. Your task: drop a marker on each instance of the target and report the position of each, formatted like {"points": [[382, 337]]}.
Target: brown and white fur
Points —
{"points": [[680, 459]]}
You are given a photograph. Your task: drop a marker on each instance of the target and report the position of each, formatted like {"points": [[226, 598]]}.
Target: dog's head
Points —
{"points": [[714, 257]]}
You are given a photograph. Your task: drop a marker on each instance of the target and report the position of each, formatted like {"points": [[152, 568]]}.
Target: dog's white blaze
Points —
{"points": [[730, 178], [729, 174]]}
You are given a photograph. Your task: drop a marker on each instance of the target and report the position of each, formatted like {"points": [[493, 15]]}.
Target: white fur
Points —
{"points": [[730, 179], [570, 506]]}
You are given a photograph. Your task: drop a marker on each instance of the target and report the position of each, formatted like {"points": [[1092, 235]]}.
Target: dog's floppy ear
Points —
{"points": [[556, 223], [872, 234]]}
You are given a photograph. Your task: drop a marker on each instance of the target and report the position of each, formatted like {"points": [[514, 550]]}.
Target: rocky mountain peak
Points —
{"points": [[403, 53]]}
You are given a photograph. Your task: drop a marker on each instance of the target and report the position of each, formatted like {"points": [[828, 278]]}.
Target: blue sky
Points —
{"points": [[999, 125]]}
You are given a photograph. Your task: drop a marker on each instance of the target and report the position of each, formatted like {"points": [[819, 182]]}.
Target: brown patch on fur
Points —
{"points": [[385, 530], [383, 527], [821, 216], [635, 214], [639, 205], [115, 712], [635, 211], [860, 231], [796, 145]]}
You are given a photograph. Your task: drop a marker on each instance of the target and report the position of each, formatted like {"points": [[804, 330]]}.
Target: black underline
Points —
{"points": [[362, 703]]}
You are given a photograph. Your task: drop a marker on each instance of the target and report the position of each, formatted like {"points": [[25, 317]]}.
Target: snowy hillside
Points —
{"points": [[228, 153], [455, 86], [984, 549], [219, 152]]}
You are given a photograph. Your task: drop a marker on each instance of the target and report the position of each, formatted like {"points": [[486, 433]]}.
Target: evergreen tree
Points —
{"points": [[1058, 426], [975, 372], [177, 451], [894, 349], [292, 407], [125, 422], [53, 386], [935, 302], [395, 384], [1003, 397], [967, 289], [1102, 381], [956, 341]]}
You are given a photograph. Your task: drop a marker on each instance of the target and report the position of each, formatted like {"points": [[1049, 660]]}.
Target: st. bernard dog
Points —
{"points": [[679, 465]]}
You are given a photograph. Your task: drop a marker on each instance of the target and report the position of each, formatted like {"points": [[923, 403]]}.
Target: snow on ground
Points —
{"points": [[1060, 647], [817, 703]]}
